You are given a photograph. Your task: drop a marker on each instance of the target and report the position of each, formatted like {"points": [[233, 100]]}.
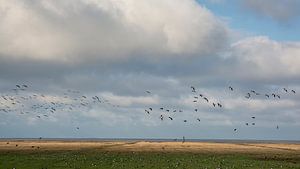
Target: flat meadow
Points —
{"points": [[147, 155]]}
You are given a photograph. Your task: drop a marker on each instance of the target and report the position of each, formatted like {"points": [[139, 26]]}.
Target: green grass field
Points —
{"points": [[88, 159]]}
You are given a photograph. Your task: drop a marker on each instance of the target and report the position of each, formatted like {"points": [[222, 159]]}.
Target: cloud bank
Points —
{"points": [[81, 30], [119, 49]]}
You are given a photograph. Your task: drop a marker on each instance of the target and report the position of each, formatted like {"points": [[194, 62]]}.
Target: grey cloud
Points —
{"points": [[280, 10]]}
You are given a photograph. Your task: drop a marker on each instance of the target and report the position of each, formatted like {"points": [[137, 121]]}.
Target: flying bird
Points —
{"points": [[161, 117], [205, 99], [193, 89]]}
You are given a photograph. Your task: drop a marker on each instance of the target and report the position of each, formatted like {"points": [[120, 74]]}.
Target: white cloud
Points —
{"points": [[130, 100], [263, 57], [258, 104], [74, 31]]}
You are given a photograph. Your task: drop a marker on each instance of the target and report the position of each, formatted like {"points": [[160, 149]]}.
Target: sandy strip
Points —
{"points": [[142, 146]]}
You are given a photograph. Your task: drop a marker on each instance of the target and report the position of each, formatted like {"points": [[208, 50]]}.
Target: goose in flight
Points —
{"points": [[193, 89], [206, 99], [161, 117]]}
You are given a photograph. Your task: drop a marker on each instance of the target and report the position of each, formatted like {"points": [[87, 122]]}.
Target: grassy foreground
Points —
{"points": [[91, 159]]}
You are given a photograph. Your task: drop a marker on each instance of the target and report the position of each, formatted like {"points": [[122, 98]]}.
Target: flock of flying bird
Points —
{"points": [[42, 106], [198, 96], [24, 101]]}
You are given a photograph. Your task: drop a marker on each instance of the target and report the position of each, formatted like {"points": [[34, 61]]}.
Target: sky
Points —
{"points": [[68, 52]]}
